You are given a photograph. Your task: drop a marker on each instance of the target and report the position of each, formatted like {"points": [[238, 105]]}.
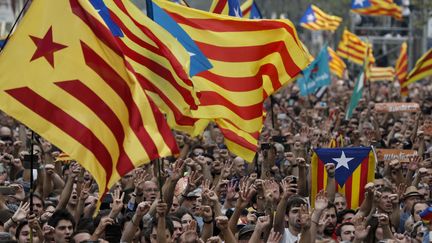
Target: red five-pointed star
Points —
{"points": [[46, 47]]}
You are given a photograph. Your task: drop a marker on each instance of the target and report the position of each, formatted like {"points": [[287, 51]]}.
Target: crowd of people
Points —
{"points": [[207, 194]]}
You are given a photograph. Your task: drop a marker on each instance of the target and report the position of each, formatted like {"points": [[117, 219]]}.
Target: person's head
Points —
{"points": [[329, 215], [345, 215], [81, 236], [346, 232], [38, 205], [152, 230], [150, 191], [385, 202], [197, 151], [293, 212], [340, 202], [411, 196], [245, 233], [417, 208], [175, 205], [63, 223], [178, 229], [127, 181], [239, 166], [22, 234]]}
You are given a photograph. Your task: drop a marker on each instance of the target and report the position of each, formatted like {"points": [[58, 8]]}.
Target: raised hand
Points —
{"points": [[331, 169], [190, 235], [178, 169], [305, 216], [206, 213], [321, 201], [262, 223], [231, 190], [361, 228], [142, 209], [289, 187], [22, 212], [227, 168], [222, 222], [194, 180], [161, 209], [274, 237], [246, 193], [414, 163], [117, 204]]}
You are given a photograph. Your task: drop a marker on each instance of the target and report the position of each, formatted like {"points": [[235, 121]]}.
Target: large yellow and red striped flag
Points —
{"points": [[336, 64], [422, 69], [352, 48], [69, 81], [401, 68], [251, 59], [158, 62], [381, 74], [355, 167], [377, 8], [316, 19]]}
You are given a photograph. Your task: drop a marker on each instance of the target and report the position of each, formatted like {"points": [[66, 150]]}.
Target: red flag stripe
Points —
{"points": [[162, 47], [247, 10], [350, 54], [230, 135], [253, 134], [363, 177], [348, 191], [250, 53], [245, 112], [116, 82], [320, 177], [220, 6], [66, 123], [89, 98], [180, 118], [230, 25], [421, 70]]}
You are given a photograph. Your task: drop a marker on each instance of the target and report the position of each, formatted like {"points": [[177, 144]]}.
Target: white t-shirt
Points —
{"points": [[289, 238]]}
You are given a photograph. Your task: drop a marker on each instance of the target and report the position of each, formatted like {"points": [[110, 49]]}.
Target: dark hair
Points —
{"points": [[85, 225], [294, 201], [339, 228], [342, 213], [331, 205], [61, 214], [38, 197], [154, 223], [19, 228]]}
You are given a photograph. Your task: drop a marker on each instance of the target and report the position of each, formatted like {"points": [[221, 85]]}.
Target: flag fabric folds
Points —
{"points": [[98, 115], [316, 19], [377, 8], [352, 48], [355, 167], [316, 75], [250, 10], [226, 7], [401, 68], [356, 95], [381, 74], [422, 69], [336, 64], [251, 59], [158, 59]]}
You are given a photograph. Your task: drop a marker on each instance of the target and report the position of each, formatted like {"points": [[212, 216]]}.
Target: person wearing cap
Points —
{"points": [[411, 196]]}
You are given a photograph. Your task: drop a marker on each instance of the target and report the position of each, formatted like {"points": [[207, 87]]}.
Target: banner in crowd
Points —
{"points": [[355, 167], [402, 155], [316, 75], [392, 107]]}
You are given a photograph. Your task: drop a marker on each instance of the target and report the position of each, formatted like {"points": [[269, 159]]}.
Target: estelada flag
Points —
{"points": [[65, 76], [355, 167]]}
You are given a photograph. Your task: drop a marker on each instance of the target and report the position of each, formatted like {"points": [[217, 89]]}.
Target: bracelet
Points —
{"points": [[208, 222], [13, 221]]}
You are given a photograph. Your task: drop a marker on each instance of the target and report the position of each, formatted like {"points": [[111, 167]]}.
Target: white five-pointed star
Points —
{"points": [[191, 54], [358, 2], [310, 18], [342, 161], [237, 12]]}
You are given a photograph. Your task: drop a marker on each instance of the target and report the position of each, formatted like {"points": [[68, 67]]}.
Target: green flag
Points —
{"points": [[356, 96]]}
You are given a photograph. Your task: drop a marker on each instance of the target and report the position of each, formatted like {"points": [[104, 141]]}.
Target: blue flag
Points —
{"points": [[234, 8], [199, 61], [255, 12], [316, 75]]}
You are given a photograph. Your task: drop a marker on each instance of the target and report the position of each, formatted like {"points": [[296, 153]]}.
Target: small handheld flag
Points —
{"points": [[316, 19]]}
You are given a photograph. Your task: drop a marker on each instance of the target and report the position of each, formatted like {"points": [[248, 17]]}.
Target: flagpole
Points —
{"points": [[14, 24], [160, 178]]}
